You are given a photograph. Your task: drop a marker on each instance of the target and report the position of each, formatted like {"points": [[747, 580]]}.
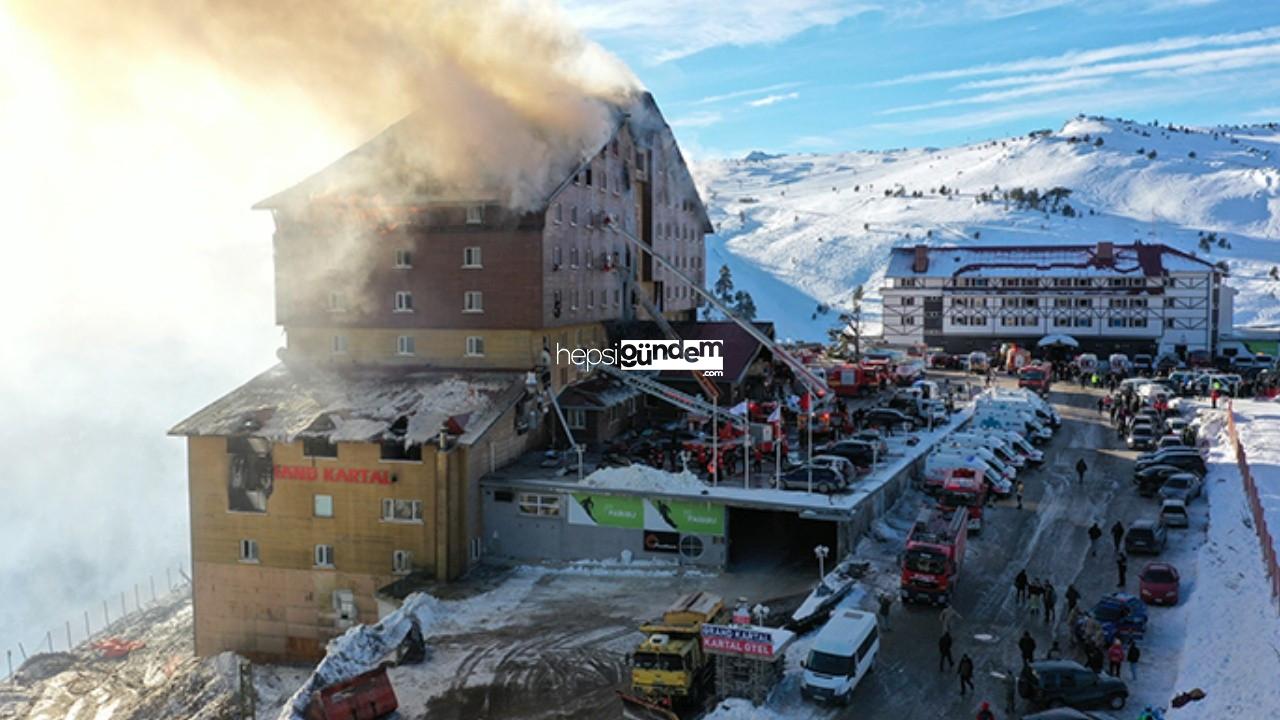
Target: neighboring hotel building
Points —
{"points": [[418, 319], [1135, 298]]}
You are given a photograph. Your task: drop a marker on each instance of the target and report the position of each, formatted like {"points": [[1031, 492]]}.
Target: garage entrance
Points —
{"points": [[767, 539]]}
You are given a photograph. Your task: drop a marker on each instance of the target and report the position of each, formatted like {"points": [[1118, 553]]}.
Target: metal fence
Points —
{"points": [[77, 631], [1255, 506]]}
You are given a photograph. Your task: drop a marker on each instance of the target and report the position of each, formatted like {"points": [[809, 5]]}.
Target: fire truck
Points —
{"points": [[851, 380], [932, 559], [964, 488], [1037, 377]]}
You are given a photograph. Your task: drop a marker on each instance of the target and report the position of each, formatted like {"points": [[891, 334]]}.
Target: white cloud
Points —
{"points": [[746, 93], [996, 97], [698, 119], [773, 99]]}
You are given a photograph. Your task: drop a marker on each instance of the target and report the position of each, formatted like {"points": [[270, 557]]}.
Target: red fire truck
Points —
{"points": [[851, 380], [964, 488], [932, 559], [1037, 377]]}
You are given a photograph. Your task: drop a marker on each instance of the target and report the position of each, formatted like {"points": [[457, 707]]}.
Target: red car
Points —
{"points": [[1158, 584]]}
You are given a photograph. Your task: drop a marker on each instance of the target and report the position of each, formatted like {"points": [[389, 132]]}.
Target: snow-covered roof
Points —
{"points": [[359, 405], [1137, 259]]}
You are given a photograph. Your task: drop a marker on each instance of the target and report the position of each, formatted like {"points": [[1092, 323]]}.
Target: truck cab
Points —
{"points": [[669, 666], [932, 558], [964, 491]]}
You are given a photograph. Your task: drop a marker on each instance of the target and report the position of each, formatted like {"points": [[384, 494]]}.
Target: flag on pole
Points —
{"points": [[739, 410], [776, 415]]}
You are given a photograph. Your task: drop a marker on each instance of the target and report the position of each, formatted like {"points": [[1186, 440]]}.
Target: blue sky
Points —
{"points": [[827, 75]]}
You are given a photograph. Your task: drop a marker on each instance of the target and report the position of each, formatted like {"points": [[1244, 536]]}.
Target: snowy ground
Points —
{"points": [[800, 230]]}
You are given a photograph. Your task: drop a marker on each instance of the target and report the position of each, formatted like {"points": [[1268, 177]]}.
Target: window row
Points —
{"points": [[407, 346], [470, 258], [402, 301], [324, 557]]}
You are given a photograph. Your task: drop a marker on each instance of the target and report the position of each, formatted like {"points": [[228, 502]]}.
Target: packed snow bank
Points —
{"points": [[361, 648], [739, 709], [645, 478], [1232, 648], [1258, 423]]}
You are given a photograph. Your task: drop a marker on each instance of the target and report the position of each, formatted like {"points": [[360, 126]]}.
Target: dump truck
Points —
{"points": [[669, 668]]}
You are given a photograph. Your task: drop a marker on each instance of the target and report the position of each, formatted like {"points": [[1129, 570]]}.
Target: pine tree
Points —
{"points": [[850, 326], [724, 286], [743, 306]]}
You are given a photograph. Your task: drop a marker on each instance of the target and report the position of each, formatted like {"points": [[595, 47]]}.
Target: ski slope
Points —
{"points": [[803, 230]]}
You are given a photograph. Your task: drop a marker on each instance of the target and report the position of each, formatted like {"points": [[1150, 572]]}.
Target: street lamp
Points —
{"points": [[821, 553]]}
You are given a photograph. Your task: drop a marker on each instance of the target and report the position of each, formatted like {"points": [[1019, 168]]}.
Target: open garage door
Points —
{"points": [[765, 539]]}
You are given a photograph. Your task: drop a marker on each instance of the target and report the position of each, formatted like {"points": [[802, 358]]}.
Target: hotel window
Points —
{"points": [[404, 259], [475, 346], [473, 301], [401, 562], [1084, 322], [248, 551], [559, 213], [475, 214], [324, 556], [404, 345], [557, 257], [587, 176], [908, 320], [590, 257], [403, 301], [591, 298], [338, 345], [573, 256], [576, 418], [471, 257], [397, 451], [405, 511], [908, 301], [323, 506], [539, 505], [1169, 322], [573, 215], [337, 303], [319, 447], [1171, 302]]}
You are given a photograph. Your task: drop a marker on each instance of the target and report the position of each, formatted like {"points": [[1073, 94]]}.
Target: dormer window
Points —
{"points": [[475, 214]]}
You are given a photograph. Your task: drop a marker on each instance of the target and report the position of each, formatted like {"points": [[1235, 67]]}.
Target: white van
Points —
{"points": [[1035, 429], [1043, 408], [1020, 445], [1004, 469], [994, 442], [841, 655], [979, 362], [944, 459]]}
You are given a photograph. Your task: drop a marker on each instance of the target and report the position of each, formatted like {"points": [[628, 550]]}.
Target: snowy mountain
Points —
{"points": [[801, 231]]}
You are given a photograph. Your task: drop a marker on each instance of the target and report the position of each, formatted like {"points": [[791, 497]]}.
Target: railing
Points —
{"points": [[1255, 506]]}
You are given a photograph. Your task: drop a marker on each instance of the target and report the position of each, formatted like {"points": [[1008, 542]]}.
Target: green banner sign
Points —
{"points": [[607, 511], [684, 516]]}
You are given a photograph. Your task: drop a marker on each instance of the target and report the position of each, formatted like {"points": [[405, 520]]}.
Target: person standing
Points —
{"points": [[1018, 493], [1036, 594], [1122, 566], [1115, 656], [1133, 656], [1055, 652], [886, 602], [1020, 583], [1081, 467], [1050, 601], [944, 652], [1117, 534], [984, 712], [948, 616], [1027, 645], [965, 671], [1010, 691], [1095, 532], [1073, 597]]}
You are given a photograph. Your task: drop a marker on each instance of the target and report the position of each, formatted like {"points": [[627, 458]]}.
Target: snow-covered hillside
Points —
{"points": [[803, 230]]}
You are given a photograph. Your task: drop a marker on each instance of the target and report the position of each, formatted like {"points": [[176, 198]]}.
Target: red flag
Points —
{"points": [[805, 403]]}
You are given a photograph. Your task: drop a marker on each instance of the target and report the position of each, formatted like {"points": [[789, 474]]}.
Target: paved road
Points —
{"points": [[1048, 538]]}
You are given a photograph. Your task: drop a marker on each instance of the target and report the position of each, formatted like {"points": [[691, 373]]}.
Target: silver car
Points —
{"points": [[1181, 486]]}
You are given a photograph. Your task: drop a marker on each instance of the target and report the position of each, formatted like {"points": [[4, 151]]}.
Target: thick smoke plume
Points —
{"points": [[503, 93]]}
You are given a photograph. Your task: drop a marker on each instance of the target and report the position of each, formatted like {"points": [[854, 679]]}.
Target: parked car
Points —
{"points": [[1187, 458], [825, 480], [1173, 513], [1066, 713], [979, 362], [1064, 682], [1146, 536], [842, 465], [1143, 364], [1183, 486], [1170, 440], [844, 651], [874, 437], [859, 452], [1167, 363], [889, 419], [1158, 584], [1120, 614], [1149, 480], [1199, 358]]}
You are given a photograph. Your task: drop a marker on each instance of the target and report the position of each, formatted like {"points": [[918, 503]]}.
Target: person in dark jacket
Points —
{"points": [[1073, 597], [1133, 656], [1095, 532], [1093, 658], [1082, 466], [1117, 534], [1020, 583], [944, 652], [965, 671], [1122, 565], [1050, 601], [1027, 645]]}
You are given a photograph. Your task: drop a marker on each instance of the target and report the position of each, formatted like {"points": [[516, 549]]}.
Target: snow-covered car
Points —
{"points": [[1173, 513], [842, 465], [1170, 440], [1182, 486], [1120, 614], [825, 480]]}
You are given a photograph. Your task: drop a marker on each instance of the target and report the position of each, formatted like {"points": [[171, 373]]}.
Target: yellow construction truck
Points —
{"points": [[669, 668]]}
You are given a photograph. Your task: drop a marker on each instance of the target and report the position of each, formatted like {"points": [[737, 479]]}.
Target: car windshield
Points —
{"points": [[1108, 612], [657, 661], [1140, 534], [828, 664], [924, 561], [1159, 575], [1032, 375], [1178, 482]]}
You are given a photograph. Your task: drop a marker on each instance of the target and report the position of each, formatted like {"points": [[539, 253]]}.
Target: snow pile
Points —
{"points": [[644, 478], [362, 648], [739, 709], [1259, 428], [1232, 648], [800, 232]]}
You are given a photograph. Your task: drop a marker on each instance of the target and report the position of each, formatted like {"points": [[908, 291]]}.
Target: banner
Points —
{"points": [[743, 639], [683, 516], [606, 511]]}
